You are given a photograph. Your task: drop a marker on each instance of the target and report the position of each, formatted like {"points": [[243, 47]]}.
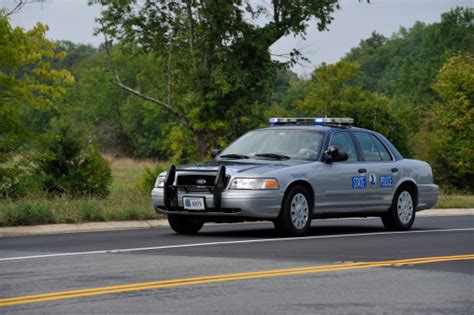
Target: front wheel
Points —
{"points": [[402, 211], [184, 225], [295, 214]]}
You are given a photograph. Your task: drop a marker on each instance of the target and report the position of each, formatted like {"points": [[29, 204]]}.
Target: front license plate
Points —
{"points": [[193, 203]]}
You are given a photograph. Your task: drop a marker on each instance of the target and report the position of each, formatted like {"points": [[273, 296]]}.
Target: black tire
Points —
{"points": [[284, 223], [396, 219], [184, 225]]}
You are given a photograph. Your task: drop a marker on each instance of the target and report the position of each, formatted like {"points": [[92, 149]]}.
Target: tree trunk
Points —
{"points": [[202, 145]]}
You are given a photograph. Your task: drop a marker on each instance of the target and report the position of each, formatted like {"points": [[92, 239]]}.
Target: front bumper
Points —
{"points": [[263, 204]]}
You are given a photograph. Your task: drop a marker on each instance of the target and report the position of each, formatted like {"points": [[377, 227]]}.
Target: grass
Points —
{"points": [[128, 200], [455, 201]]}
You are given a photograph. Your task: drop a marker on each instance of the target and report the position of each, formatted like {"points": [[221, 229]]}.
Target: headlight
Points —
{"points": [[160, 182], [254, 183]]}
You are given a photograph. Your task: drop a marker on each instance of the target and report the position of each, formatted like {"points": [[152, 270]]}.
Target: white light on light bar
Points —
{"points": [[346, 121], [320, 121]]}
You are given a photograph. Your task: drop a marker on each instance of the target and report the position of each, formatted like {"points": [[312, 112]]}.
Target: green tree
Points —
{"points": [[287, 89], [215, 55], [27, 80], [404, 66], [448, 131], [27, 75], [121, 123], [332, 93], [329, 90], [77, 55]]}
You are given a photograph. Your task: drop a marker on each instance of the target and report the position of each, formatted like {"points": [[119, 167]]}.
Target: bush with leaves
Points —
{"points": [[68, 164], [16, 179], [147, 182]]}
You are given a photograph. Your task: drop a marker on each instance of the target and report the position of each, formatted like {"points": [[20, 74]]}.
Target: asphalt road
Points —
{"points": [[342, 266]]}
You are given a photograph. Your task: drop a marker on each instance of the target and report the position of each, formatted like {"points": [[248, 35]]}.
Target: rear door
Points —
{"points": [[382, 173], [345, 182]]}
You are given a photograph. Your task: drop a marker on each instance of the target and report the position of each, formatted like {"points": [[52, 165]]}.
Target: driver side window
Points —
{"points": [[343, 142]]}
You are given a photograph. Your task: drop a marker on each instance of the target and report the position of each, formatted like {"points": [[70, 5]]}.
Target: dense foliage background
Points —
{"points": [[61, 103]]}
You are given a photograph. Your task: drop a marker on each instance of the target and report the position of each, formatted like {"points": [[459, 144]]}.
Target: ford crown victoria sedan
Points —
{"points": [[296, 170]]}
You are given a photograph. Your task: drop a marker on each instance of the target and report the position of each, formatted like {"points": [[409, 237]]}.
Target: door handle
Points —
{"points": [[362, 170], [394, 170]]}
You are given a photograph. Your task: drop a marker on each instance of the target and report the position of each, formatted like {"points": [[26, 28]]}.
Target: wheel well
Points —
{"points": [[412, 187], [306, 185]]}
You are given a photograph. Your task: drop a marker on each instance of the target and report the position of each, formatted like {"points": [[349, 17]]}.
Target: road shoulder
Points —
{"points": [[131, 225]]}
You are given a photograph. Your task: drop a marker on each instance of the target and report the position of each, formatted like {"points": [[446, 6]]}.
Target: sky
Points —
{"points": [[74, 20]]}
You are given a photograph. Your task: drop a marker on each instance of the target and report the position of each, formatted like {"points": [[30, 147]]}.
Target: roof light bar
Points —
{"points": [[318, 121]]}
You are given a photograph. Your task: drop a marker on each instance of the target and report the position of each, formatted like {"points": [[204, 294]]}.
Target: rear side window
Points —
{"points": [[343, 142], [372, 148], [384, 154]]}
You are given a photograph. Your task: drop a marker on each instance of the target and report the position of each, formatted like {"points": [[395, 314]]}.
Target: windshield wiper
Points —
{"points": [[233, 156], [273, 156]]}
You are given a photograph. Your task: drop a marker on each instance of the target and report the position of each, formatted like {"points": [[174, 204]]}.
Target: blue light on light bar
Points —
{"points": [[319, 121], [273, 120]]}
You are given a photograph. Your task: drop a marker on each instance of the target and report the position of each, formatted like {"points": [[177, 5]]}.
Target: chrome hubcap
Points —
{"points": [[299, 211], [405, 207]]}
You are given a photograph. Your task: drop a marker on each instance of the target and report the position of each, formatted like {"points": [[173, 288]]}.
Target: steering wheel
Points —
{"points": [[307, 152]]}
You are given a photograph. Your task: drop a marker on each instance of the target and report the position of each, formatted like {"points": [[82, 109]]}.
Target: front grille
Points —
{"points": [[195, 189], [193, 180], [189, 183]]}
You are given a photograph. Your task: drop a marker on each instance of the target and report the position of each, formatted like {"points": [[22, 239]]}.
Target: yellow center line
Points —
{"points": [[176, 281], [221, 278], [388, 262], [467, 257]]}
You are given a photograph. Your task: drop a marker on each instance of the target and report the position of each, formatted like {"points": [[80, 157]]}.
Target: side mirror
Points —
{"points": [[215, 153], [333, 154]]}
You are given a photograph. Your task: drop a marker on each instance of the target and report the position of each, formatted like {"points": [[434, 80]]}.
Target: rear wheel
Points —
{"points": [[295, 214], [184, 225], [402, 211]]}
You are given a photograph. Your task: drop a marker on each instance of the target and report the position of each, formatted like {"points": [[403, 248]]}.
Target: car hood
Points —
{"points": [[249, 167]]}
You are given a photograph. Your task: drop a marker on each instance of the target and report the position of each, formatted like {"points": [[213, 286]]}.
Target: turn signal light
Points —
{"points": [[270, 184]]}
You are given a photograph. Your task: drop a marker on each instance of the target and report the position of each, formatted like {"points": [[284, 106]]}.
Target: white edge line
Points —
{"points": [[128, 250]]}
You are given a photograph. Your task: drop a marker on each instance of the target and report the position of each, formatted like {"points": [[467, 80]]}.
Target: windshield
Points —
{"points": [[276, 144]]}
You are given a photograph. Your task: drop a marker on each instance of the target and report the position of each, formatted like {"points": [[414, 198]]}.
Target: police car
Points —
{"points": [[296, 170]]}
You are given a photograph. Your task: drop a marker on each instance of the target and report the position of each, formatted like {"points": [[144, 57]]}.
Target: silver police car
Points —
{"points": [[296, 170]]}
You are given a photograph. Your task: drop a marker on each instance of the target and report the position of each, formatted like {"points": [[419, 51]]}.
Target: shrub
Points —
{"points": [[68, 164], [147, 182], [16, 180]]}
